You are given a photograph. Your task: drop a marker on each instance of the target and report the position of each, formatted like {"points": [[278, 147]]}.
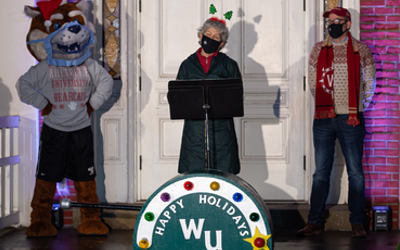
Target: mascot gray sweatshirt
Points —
{"points": [[68, 89]]}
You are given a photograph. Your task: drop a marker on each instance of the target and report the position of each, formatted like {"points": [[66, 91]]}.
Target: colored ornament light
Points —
{"points": [[144, 243], [165, 197], [188, 185], [254, 217], [214, 185], [238, 197], [149, 216], [259, 242]]}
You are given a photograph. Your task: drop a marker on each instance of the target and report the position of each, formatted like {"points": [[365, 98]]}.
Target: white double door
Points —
{"points": [[267, 41]]}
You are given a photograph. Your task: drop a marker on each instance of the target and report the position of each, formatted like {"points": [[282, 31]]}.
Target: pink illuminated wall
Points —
{"points": [[380, 21]]}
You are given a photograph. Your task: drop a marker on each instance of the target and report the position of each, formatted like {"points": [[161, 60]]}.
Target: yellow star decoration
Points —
{"points": [[259, 235]]}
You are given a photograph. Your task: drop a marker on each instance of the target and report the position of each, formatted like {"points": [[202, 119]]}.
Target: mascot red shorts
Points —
{"points": [[66, 155]]}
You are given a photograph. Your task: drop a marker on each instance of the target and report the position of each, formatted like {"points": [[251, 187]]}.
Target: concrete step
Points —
{"points": [[294, 216], [115, 219], [285, 217]]}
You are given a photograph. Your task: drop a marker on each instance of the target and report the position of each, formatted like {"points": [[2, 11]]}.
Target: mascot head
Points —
{"points": [[60, 31]]}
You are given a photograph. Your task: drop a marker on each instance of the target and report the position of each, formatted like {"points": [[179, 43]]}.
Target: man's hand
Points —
{"points": [[89, 108], [47, 109]]}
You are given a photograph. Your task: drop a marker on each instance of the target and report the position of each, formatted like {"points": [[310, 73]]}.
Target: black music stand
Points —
{"points": [[206, 99]]}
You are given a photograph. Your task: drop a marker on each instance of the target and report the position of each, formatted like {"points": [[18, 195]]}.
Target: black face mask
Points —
{"points": [[336, 30], [209, 45]]}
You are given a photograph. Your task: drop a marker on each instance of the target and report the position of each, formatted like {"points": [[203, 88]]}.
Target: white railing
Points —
{"points": [[9, 171]]}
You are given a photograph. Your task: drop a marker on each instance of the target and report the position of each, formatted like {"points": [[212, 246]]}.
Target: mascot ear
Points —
{"points": [[31, 11], [83, 6]]}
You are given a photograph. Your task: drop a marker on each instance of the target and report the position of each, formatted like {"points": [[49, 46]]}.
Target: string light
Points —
{"points": [[144, 243], [254, 217], [214, 186], [259, 242], [188, 185], [165, 197], [149, 216], [238, 197]]}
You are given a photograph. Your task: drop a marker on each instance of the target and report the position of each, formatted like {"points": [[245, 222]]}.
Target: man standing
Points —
{"points": [[342, 80]]}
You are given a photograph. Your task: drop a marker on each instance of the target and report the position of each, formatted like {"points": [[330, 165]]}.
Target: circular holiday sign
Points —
{"points": [[207, 209]]}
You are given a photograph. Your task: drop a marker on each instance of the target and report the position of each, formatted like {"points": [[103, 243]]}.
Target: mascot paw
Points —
{"points": [[41, 229], [47, 109], [92, 227]]}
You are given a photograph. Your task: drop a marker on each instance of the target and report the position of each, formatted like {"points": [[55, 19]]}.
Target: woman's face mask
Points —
{"points": [[209, 45]]}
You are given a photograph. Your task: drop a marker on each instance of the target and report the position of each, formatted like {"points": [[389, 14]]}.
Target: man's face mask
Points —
{"points": [[209, 45], [336, 30], [68, 46]]}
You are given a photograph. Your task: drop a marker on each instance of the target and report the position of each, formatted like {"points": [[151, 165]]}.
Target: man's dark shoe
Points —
{"points": [[357, 231], [309, 230]]}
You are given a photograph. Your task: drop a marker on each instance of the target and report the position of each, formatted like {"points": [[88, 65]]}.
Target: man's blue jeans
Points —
{"points": [[351, 139]]}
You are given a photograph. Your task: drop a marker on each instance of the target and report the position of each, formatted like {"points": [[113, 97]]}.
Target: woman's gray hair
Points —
{"points": [[220, 27]]}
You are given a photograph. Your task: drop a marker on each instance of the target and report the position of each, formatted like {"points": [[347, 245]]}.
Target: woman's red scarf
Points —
{"points": [[324, 103]]}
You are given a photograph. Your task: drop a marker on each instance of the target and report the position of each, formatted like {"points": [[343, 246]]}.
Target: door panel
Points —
{"points": [[266, 41]]}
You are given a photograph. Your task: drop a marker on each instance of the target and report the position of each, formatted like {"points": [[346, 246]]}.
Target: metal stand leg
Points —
{"points": [[206, 107], [67, 204]]}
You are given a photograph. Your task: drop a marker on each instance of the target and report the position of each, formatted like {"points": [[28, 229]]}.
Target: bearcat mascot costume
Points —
{"points": [[67, 86]]}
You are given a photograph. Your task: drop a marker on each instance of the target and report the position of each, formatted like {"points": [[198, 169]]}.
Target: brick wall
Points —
{"points": [[68, 216], [380, 20]]}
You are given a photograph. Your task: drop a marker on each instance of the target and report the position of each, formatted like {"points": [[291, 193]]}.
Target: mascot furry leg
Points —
{"points": [[42, 204], [90, 217]]}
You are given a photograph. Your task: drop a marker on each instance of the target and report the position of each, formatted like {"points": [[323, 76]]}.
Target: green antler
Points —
{"points": [[228, 15], [213, 10]]}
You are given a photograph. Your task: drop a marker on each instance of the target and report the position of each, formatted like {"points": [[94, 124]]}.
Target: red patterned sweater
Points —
{"points": [[340, 95]]}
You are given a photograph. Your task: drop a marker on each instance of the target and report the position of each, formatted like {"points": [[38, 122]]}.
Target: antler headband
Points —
{"points": [[227, 15]]}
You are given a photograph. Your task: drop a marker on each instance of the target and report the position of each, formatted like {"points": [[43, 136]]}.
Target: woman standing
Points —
{"points": [[209, 63]]}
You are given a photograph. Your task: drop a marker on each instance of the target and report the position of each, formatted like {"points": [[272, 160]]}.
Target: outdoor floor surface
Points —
{"points": [[15, 239]]}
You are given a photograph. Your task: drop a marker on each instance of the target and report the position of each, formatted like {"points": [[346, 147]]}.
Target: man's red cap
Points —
{"points": [[338, 11]]}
